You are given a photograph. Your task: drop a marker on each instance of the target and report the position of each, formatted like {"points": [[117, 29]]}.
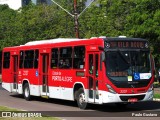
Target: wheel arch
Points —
{"points": [[24, 82], [76, 87]]}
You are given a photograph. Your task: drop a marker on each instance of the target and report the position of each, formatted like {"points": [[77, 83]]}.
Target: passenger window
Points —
{"points": [[28, 59], [97, 61], [91, 68], [36, 58], [65, 60], [6, 60], [79, 57], [21, 59], [54, 58]]}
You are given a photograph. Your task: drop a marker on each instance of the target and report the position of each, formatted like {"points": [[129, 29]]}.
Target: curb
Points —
{"points": [[156, 99]]}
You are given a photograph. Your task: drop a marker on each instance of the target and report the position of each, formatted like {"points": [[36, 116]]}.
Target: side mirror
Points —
{"points": [[102, 55]]}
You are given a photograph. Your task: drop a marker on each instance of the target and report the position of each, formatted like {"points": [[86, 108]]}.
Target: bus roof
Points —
{"points": [[66, 40], [62, 41], [58, 40]]}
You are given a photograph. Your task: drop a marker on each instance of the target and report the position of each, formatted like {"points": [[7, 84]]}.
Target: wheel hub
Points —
{"points": [[26, 92], [81, 98]]}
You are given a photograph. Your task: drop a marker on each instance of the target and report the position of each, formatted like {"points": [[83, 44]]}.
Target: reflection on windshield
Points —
{"points": [[122, 64]]}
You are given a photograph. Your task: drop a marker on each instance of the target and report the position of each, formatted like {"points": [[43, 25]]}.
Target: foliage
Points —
{"points": [[133, 18], [7, 19], [3, 108], [156, 95]]}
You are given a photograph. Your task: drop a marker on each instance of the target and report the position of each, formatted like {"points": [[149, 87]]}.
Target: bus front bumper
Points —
{"points": [[108, 97]]}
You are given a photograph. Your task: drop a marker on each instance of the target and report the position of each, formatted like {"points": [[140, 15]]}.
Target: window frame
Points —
{"points": [[6, 60], [80, 57]]}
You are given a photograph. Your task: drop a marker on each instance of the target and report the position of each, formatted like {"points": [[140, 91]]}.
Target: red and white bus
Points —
{"points": [[97, 70]]}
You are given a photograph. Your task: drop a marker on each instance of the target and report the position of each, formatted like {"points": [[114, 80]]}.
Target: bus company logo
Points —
{"points": [[62, 78], [107, 45], [56, 73], [57, 76]]}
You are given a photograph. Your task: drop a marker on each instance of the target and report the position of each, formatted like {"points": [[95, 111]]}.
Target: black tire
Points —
{"points": [[26, 92], [80, 98]]}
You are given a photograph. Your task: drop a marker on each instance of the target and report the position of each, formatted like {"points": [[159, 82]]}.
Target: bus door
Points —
{"points": [[44, 74], [93, 60], [15, 73]]}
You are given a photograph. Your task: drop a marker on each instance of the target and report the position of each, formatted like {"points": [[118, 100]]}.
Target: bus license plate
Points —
{"points": [[132, 100]]}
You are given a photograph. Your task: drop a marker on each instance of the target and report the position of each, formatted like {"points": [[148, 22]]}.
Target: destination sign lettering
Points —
{"points": [[126, 44]]}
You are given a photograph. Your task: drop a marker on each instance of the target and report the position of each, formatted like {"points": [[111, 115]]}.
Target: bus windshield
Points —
{"points": [[128, 65]]}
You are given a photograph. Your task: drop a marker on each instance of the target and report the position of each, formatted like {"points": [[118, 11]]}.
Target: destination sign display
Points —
{"points": [[126, 44]]}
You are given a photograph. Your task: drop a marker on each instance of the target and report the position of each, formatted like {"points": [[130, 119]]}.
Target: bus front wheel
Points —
{"points": [[26, 92], [80, 97]]}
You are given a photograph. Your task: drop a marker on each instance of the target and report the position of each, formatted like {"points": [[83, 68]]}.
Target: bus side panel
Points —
{"points": [[34, 82], [7, 79], [61, 83], [32, 77]]}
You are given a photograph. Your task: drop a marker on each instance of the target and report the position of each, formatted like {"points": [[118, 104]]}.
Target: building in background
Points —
{"points": [[42, 1], [13, 4], [16, 4]]}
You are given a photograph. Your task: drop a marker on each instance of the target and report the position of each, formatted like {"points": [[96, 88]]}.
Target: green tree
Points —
{"points": [[7, 20], [133, 18]]}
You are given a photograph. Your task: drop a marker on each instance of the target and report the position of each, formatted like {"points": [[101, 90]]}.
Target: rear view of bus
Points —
{"points": [[128, 69]]}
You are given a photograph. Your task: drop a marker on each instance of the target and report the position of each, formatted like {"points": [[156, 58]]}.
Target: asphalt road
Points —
{"points": [[68, 110]]}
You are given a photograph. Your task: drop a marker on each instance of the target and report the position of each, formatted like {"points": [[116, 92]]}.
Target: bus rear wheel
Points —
{"points": [[80, 97], [26, 92]]}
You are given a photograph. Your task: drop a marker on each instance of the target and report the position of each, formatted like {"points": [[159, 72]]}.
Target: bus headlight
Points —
{"points": [[111, 89], [150, 88]]}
